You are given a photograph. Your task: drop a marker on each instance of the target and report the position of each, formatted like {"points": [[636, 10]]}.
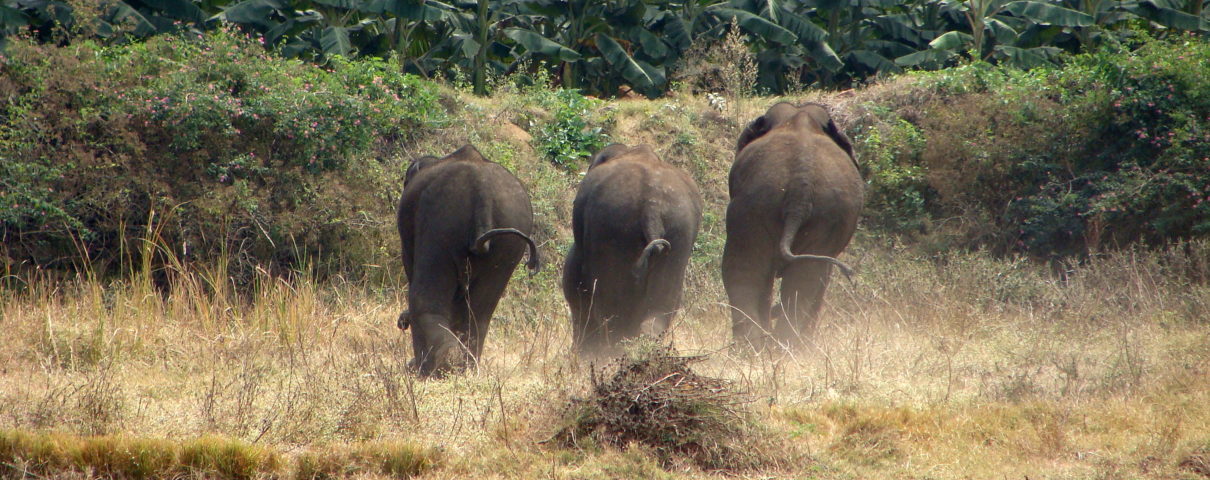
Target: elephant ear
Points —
{"points": [[753, 131], [606, 154], [416, 166], [841, 140]]}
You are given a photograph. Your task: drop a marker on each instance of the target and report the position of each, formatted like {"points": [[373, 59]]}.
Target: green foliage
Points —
{"points": [[1145, 176], [601, 46], [27, 201], [897, 191], [235, 148], [576, 129], [1110, 149]]}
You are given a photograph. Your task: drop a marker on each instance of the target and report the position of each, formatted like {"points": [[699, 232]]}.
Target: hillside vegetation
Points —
{"points": [[216, 149]]}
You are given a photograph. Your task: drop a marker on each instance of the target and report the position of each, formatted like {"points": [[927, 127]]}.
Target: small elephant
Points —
{"points": [[634, 222], [464, 223], [795, 187]]}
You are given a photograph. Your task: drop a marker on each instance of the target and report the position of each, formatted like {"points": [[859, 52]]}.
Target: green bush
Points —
{"points": [[576, 129], [235, 150], [1142, 176], [897, 192], [1111, 148]]}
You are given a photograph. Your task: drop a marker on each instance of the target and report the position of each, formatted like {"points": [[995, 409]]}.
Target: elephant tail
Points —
{"points": [[789, 256], [655, 247], [535, 261]]}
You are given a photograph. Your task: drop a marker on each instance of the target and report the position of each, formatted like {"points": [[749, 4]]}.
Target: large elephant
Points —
{"points": [[464, 223], [634, 222], [795, 187]]}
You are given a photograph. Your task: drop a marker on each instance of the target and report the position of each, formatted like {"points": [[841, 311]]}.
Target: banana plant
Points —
{"points": [[868, 34], [470, 36], [1002, 31], [785, 40], [321, 28], [117, 20], [1172, 14], [599, 45]]}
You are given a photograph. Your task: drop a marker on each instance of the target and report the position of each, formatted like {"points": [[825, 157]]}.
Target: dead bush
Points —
{"points": [[652, 398]]}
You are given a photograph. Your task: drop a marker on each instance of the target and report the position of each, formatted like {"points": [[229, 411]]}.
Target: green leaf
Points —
{"points": [[642, 77], [418, 10], [769, 9], [804, 29], [466, 45], [1049, 14], [930, 58], [290, 27], [653, 47], [1001, 31], [178, 9], [335, 41], [251, 12], [822, 53], [342, 4], [539, 45], [677, 31], [11, 18], [762, 28], [898, 27], [951, 41], [1169, 17], [1025, 58], [874, 61], [814, 38], [122, 12]]}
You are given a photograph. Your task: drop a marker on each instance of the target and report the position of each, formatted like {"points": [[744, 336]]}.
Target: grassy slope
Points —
{"points": [[956, 367]]}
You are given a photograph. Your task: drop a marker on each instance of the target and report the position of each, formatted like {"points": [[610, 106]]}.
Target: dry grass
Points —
{"points": [[959, 367], [956, 366]]}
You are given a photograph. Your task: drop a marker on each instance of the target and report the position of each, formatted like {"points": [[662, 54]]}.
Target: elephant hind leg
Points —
{"points": [[578, 293], [749, 284], [802, 289], [431, 309], [665, 287], [485, 292]]}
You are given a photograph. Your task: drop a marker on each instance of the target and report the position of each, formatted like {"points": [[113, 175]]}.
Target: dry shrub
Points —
{"points": [[1197, 461], [652, 398], [724, 65]]}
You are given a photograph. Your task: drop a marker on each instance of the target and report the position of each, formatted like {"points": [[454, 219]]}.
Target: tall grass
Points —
{"points": [[957, 365]]}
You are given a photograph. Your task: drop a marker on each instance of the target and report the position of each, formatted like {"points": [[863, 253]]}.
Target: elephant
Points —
{"points": [[634, 221], [795, 186], [464, 224]]}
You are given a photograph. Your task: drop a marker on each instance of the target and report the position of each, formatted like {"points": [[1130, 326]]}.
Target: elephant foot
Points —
{"points": [[752, 342], [791, 335], [444, 361]]}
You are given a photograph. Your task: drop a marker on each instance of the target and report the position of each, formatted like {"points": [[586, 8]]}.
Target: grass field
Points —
{"points": [[957, 367]]}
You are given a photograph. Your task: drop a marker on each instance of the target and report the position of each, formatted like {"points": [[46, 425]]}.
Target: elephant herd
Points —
{"points": [[465, 224]]}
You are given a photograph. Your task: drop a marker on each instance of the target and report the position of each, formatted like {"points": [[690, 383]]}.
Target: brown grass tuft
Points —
{"points": [[124, 456], [652, 398], [1197, 461], [394, 459]]}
